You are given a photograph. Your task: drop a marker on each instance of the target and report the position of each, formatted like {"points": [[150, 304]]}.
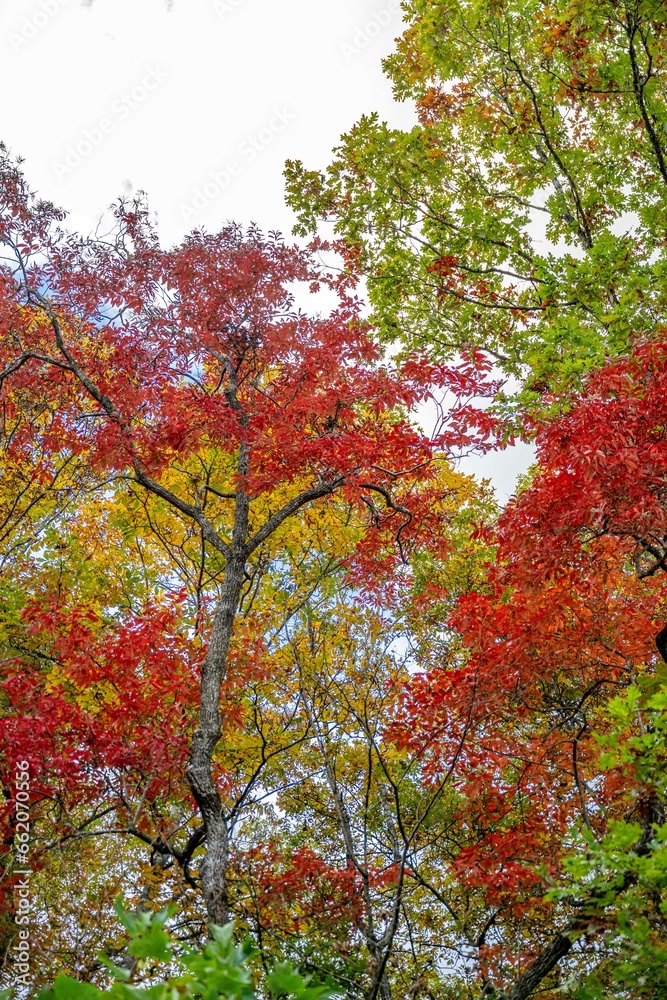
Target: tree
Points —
{"points": [[523, 214], [190, 375], [561, 692], [523, 218], [428, 751], [338, 887]]}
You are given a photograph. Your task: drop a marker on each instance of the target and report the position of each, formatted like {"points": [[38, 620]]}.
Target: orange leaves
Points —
{"points": [[438, 103], [298, 890], [444, 265]]}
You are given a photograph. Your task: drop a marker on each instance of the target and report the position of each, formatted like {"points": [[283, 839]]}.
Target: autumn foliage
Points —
{"points": [[270, 655]]}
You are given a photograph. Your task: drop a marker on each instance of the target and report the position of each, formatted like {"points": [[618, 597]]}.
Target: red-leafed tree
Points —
{"points": [[147, 358], [566, 622], [602, 470]]}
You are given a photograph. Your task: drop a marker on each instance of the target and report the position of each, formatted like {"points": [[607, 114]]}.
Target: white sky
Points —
{"points": [[199, 106], [217, 81]]}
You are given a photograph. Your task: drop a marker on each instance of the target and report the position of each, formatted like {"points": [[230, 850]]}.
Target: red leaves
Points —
{"points": [[502, 864], [298, 890], [563, 624], [443, 266], [157, 354], [117, 697], [602, 469]]}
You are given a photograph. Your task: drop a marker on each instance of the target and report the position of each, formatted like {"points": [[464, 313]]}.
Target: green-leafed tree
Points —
{"points": [[525, 212]]}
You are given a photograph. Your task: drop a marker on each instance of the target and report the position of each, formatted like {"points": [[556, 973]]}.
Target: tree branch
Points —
{"points": [[291, 508]]}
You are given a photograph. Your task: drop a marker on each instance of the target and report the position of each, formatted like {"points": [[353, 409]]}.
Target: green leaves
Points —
{"points": [[222, 971], [66, 988], [619, 880], [537, 169], [284, 981], [149, 938]]}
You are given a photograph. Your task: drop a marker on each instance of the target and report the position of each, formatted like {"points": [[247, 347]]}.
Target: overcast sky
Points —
{"points": [[198, 105]]}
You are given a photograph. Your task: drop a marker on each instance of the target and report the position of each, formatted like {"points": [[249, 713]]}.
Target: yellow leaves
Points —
{"points": [[91, 699]]}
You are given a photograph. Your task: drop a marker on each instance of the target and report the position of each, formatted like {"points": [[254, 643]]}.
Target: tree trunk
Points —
{"points": [[214, 872], [205, 739]]}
